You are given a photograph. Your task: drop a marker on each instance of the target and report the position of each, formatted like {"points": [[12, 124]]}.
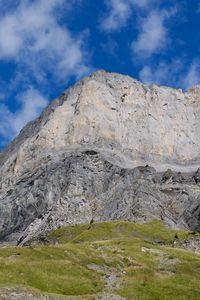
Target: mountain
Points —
{"points": [[108, 148]]}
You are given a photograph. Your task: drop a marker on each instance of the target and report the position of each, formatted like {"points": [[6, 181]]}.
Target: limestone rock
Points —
{"points": [[99, 152]]}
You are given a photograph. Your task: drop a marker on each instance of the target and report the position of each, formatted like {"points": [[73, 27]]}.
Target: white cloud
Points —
{"points": [[120, 11], [163, 73], [43, 50], [33, 37], [153, 33], [192, 77], [172, 74], [148, 75], [30, 103]]}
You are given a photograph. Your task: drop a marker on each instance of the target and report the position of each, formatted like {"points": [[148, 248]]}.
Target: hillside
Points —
{"points": [[110, 260]]}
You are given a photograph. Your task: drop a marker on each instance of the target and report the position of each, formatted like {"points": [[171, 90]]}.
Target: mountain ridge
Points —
{"points": [[101, 151]]}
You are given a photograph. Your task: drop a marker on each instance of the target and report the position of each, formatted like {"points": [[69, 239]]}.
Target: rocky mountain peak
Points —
{"points": [[62, 167]]}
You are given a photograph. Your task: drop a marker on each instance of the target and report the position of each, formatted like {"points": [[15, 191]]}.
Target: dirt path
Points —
{"points": [[112, 278]]}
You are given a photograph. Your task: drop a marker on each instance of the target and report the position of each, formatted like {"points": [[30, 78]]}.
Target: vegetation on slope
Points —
{"points": [[135, 261]]}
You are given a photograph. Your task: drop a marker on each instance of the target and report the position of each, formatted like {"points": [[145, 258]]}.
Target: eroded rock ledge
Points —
{"points": [[83, 187]]}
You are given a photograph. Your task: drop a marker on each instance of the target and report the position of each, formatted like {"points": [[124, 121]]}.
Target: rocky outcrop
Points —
{"points": [[108, 148]]}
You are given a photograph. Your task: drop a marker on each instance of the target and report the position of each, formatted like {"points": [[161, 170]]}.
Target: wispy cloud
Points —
{"points": [[32, 36], [152, 39], [172, 74], [120, 11], [192, 77], [153, 33], [43, 50], [30, 103], [163, 73]]}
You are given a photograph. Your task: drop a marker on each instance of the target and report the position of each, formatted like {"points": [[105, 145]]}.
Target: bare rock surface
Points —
{"points": [[23, 294], [191, 244], [112, 282], [108, 148]]}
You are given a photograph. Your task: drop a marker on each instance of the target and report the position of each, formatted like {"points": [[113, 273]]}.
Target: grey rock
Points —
{"points": [[23, 294], [101, 152], [196, 176], [191, 244]]}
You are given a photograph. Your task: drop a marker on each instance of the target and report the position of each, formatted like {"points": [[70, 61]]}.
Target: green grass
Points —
{"points": [[48, 269], [154, 230], [176, 278], [146, 270]]}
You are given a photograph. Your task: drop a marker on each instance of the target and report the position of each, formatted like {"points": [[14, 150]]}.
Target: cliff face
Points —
{"points": [[82, 159]]}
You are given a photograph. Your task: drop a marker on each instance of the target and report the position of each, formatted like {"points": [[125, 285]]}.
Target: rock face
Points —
{"points": [[87, 157]]}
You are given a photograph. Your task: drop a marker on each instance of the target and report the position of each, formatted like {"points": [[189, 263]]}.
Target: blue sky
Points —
{"points": [[47, 45]]}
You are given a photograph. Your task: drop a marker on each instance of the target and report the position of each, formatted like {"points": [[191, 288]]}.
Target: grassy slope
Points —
{"points": [[145, 269]]}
